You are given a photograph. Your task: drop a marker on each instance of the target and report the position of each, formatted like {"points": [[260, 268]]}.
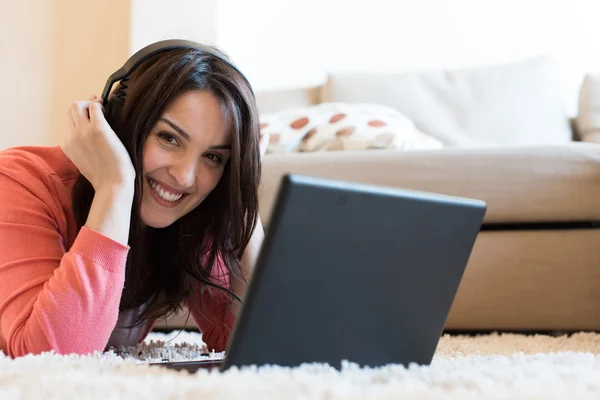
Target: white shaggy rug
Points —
{"points": [[483, 367]]}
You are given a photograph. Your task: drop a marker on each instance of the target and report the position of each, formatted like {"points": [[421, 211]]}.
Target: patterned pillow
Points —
{"points": [[343, 126]]}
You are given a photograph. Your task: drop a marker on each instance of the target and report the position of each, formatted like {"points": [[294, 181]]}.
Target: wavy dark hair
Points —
{"points": [[164, 265]]}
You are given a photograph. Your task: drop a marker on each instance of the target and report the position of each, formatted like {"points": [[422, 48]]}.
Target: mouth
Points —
{"points": [[165, 196]]}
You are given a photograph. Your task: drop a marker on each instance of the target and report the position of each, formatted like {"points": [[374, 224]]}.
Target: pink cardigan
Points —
{"points": [[60, 290]]}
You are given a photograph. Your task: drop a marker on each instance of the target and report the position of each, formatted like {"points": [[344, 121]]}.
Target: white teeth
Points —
{"points": [[163, 193]]}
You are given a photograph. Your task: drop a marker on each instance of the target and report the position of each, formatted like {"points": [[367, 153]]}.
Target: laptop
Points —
{"points": [[353, 272]]}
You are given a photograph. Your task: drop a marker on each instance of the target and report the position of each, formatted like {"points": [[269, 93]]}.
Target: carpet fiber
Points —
{"points": [[483, 367]]}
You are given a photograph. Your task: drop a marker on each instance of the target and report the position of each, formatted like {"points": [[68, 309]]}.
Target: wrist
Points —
{"points": [[115, 196], [110, 212], [116, 189]]}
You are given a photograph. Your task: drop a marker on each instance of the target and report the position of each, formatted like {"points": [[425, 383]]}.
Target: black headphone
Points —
{"points": [[156, 48]]}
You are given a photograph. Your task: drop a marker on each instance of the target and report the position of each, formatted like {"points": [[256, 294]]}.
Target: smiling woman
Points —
{"points": [[149, 204], [184, 158]]}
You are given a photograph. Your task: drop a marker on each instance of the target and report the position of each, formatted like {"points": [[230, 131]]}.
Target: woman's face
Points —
{"points": [[183, 158]]}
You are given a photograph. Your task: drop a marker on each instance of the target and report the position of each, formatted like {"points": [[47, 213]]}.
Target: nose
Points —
{"points": [[184, 172]]}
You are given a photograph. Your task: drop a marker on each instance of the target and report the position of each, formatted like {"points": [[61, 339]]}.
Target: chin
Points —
{"points": [[158, 217], [155, 219], [156, 223]]}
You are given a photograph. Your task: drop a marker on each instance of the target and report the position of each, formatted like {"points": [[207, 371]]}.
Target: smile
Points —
{"points": [[164, 193]]}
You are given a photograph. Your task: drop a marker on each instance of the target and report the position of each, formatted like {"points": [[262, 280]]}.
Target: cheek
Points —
{"points": [[153, 157]]}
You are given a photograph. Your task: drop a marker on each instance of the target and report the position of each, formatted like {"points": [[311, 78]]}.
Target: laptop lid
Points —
{"points": [[354, 272]]}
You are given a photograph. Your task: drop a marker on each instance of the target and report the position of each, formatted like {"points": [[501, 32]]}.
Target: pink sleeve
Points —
{"points": [[51, 299], [214, 319]]}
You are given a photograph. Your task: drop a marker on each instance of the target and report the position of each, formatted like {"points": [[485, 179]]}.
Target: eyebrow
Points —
{"points": [[187, 137]]}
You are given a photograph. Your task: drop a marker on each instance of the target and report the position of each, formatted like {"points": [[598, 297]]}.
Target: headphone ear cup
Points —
{"points": [[113, 111], [115, 104]]}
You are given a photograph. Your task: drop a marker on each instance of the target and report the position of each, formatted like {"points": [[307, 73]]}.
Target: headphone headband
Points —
{"points": [[154, 49]]}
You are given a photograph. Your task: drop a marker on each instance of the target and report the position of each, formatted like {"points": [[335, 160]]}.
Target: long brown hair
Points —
{"points": [[165, 266]]}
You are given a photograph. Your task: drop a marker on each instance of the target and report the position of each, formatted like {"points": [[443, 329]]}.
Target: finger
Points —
{"points": [[79, 112], [94, 98], [76, 114], [96, 114]]}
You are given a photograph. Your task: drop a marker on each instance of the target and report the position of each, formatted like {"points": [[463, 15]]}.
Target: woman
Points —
{"points": [[137, 213]]}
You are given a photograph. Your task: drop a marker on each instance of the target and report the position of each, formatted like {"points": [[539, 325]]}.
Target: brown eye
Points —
{"points": [[168, 138], [215, 158]]}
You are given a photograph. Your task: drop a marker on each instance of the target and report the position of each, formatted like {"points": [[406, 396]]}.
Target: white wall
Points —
{"points": [[297, 42], [154, 20]]}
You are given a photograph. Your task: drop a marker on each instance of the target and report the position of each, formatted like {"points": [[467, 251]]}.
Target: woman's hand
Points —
{"points": [[94, 148]]}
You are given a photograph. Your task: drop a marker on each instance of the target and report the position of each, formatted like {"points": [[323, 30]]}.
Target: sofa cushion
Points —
{"points": [[551, 183], [342, 126], [510, 104]]}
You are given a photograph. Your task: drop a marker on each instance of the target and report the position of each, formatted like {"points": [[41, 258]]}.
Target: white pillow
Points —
{"points": [[343, 126]]}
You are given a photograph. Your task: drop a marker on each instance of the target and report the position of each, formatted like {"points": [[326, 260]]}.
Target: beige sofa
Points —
{"points": [[536, 263]]}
